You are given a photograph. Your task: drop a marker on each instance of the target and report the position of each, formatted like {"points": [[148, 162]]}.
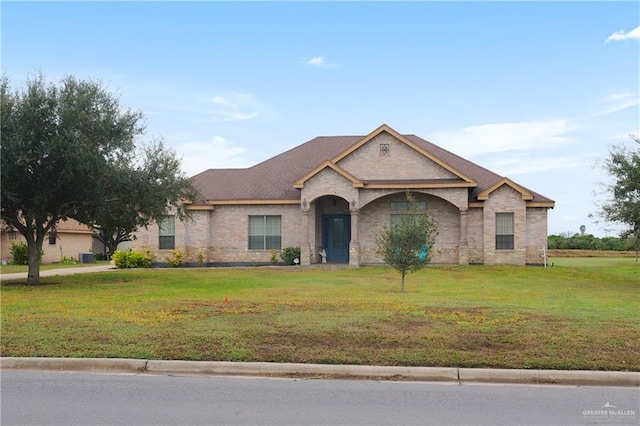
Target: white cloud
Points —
{"points": [[320, 62], [235, 107], [220, 100], [617, 102], [513, 165], [216, 153], [634, 34], [501, 137]]}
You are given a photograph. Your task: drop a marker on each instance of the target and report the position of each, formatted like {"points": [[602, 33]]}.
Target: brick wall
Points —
{"points": [[375, 215], [401, 162], [222, 235], [536, 234], [505, 200], [475, 235]]}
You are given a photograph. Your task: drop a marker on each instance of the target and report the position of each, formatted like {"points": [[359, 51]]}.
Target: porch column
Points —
{"points": [[305, 245], [354, 244], [463, 251]]}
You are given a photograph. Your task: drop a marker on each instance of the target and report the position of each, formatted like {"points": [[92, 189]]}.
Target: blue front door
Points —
{"points": [[336, 234]]}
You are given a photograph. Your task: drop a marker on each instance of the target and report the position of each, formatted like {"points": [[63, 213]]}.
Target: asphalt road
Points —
{"points": [[60, 398]]}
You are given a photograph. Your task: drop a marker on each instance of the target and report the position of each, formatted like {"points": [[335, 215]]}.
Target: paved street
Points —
{"points": [[30, 397]]}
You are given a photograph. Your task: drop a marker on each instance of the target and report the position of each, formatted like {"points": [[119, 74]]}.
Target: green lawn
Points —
{"points": [[578, 316]]}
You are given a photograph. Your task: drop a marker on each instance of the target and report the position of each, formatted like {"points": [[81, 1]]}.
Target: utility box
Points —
{"points": [[86, 258]]}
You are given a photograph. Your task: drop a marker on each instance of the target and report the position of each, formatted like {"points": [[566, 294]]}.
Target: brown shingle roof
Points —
{"points": [[273, 179]]}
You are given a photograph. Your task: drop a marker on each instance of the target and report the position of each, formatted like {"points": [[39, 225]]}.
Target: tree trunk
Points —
{"points": [[402, 283], [33, 276]]}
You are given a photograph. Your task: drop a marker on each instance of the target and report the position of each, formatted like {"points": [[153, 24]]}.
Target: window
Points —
{"points": [[265, 232], [504, 231], [400, 208], [52, 237], [168, 233], [12, 235]]}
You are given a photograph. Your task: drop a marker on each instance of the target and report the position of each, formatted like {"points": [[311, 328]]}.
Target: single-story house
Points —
{"points": [[337, 193], [69, 239]]}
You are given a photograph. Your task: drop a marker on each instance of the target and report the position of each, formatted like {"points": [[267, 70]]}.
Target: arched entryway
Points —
{"points": [[333, 228]]}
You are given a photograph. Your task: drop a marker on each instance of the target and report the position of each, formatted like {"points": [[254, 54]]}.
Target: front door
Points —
{"points": [[336, 234]]}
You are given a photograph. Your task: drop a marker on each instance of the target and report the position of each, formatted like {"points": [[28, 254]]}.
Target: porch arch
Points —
{"points": [[451, 243], [330, 225]]}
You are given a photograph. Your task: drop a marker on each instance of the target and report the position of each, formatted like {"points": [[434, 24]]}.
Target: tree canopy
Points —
{"points": [[67, 151], [623, 205], [138, 193], [406, 244]]}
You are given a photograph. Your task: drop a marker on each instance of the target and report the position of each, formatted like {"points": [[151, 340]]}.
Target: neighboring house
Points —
{"points": [[337, 193], [68, 240]]}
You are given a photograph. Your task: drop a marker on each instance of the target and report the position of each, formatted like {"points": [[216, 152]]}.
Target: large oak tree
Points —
{"points": [[69, 151]]}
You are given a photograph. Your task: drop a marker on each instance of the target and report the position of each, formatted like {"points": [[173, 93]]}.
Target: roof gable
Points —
{"points": [[525, 193], [455, 173], [357, 183]]}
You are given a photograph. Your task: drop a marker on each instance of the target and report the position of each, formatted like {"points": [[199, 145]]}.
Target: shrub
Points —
{"points": [[132, 259], [201, 258], [101, 256], [20, 253], [176, 258], [289, 254], [68, 261], [274, 257]]}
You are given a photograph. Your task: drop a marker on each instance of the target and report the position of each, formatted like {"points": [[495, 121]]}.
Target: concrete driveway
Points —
{"points": [[62, 271]]}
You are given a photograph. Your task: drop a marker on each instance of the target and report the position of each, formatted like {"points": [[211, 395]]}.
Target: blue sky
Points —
{"points": [[536, 91]]}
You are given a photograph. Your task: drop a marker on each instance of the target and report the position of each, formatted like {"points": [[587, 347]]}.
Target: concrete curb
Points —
{"points": [[560, 377], [287, 369], [75, 364], [430, 374]]}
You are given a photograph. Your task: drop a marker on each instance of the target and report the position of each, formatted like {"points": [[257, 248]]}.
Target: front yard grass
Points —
{"points": [[565, 317]]}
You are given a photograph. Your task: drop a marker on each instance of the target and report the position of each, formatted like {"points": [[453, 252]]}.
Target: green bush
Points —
{"points": [[20, 253], [68, 260], [101, 256], [132, 259], [589, 242], [176, 258], [288, 254]]}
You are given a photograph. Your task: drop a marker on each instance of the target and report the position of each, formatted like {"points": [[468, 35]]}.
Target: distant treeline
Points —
{"points": [[589, 242]]}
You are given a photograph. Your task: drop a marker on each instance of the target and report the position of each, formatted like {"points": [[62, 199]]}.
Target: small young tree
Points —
{"points": [[406, 244]]}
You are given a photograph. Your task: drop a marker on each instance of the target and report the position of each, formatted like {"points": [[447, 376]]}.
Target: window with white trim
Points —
{"points": [[167, 240], [504, 231], [265, 232]]}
